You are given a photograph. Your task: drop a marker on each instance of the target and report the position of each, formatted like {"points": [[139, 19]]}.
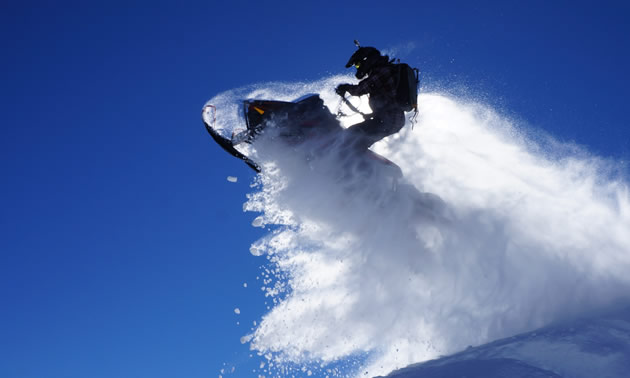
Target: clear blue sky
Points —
{"points": [[124, 250]]}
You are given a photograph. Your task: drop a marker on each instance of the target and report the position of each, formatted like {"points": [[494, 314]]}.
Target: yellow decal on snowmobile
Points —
{"points": [[259, 110]]}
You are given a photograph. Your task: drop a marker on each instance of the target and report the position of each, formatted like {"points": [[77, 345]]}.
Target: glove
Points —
{"points": [[342, 89]]}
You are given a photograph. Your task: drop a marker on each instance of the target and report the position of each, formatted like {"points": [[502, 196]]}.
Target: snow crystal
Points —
{"points": [[232, 179], [237, 311]]}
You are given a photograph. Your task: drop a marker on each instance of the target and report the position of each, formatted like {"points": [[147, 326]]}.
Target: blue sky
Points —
{"points": [[124, 249]]}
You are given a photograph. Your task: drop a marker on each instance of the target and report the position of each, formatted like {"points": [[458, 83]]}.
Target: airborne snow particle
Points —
{"points": [[258, 222], [255, 251], [232, 179], [237, 311]]}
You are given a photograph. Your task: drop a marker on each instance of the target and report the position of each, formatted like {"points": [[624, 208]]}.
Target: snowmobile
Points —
{"points": [[308, 125], [306, 120]]}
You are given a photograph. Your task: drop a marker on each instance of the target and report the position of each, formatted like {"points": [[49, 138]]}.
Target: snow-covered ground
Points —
{"points": [[595, 346], [531, 232]]}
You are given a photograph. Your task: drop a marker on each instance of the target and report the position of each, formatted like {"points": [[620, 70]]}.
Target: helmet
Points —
{"points": [[364, 59]]}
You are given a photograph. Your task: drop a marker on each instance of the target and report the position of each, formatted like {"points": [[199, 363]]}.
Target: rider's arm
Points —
{"points": [[364, 87], [379, 80]]}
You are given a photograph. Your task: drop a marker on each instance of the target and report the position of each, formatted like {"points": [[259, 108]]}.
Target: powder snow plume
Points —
{"points": [[527, 231]]}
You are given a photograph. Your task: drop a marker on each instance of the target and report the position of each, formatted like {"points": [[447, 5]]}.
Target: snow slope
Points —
{"points": [[532, 231], [597, 346]]}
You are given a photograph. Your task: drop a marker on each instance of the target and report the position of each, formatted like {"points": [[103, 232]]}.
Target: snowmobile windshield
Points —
{"points": [[226, 120]]}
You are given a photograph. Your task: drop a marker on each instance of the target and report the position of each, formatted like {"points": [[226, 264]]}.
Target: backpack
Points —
{"points": [[407, 88]]}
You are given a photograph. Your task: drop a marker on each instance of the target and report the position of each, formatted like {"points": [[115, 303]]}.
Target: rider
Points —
{"points": [[387, 115]]}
